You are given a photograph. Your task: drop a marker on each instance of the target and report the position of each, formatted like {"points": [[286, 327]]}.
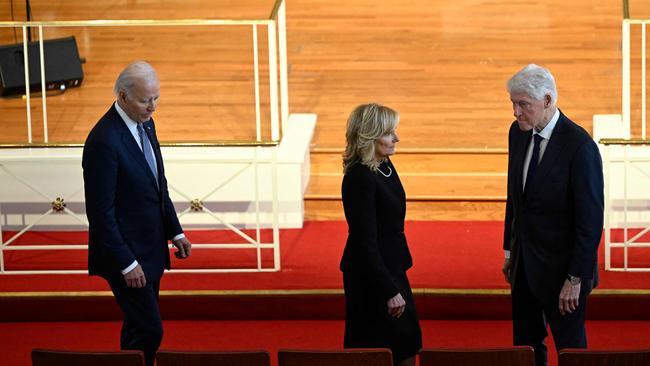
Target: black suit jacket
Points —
{"points": [[131, 216], [556, 230], [375, 207]]}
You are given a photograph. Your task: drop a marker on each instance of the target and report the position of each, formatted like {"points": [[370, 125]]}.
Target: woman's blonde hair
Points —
{"points": [[367, 123]]}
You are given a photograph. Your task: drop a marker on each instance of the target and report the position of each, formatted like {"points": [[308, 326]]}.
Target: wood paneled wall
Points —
{"points": [[442, 64]]}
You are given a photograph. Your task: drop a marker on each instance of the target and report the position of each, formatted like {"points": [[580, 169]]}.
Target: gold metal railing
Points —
{"points": [[217, 143], [416, 198], [625, 163], [132, 22], [278, 101], [145, 22], [417, 151], [635, 141], [278, 93], [276, 9], [423, 150]]}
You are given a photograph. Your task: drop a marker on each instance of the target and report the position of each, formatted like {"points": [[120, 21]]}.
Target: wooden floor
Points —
{"points": [[442, 64]]}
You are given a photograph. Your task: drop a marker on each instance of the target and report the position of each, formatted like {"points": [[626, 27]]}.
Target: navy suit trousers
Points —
{"points": [[531, 315], [142, 327]]}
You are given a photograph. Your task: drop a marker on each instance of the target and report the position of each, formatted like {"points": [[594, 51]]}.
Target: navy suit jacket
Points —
{"points": [[130, 215], [556, 229]]}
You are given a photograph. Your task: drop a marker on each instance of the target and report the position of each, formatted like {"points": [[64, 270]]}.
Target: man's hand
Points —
{"points": [[396, 305], [184, 248], [569, 297], [135, 278], [507, 266]]}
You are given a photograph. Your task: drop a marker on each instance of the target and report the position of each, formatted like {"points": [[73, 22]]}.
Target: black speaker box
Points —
{"points": [[62, 66]]}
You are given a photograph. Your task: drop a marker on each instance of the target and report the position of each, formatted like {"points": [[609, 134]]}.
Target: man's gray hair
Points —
{"points": [[138, 70], [534, 80]]}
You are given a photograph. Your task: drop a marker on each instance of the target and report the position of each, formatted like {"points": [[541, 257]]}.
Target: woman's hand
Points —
{"points": [[396, 305]]}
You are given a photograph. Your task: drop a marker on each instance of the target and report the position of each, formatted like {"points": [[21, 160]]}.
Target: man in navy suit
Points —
{"points": [[554, 216], [129, 210]]}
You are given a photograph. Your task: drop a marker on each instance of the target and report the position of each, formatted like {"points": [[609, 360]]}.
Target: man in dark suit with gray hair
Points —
{"points": [[130, 213], [554, 216]]}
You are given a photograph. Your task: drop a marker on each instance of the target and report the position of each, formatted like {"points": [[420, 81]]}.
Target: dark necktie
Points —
{"points": [[534, 161], [146, 149]]}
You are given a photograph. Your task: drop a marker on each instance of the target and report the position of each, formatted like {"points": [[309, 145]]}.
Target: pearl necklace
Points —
{"points": [[390, 171]]}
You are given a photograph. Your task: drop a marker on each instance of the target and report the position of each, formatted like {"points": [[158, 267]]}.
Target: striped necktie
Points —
{"points": [[148, 152]]}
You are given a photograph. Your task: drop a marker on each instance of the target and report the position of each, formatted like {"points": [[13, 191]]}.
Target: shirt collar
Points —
{"points": [[548, 130], [131, 124]]}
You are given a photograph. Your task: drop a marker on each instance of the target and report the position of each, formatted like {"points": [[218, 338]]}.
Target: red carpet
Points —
{"points": [[18, 339], [447, 255]]}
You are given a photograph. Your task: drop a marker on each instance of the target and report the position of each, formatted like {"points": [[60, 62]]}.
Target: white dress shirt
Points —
{"points": [[133, 127], [546, 135]]}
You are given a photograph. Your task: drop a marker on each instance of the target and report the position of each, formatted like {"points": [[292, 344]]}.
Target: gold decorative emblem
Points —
{"points": [[58, 204], [196, 205]]}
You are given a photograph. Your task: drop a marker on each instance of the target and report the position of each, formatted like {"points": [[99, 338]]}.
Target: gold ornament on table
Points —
{"points": [[196, 205], [58, 204]]}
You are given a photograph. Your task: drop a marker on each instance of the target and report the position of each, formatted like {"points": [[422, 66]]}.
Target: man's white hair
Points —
{"points": [[138, 70], [534, 80]]}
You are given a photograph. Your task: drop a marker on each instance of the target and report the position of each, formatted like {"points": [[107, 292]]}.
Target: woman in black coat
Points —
{"points": [[380, 311]]}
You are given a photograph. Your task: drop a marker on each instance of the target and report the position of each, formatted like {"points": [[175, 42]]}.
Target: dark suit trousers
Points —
{"points": [[530, 316], [142, 327]]}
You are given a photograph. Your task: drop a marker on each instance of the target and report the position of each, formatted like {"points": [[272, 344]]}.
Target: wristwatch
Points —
{"points": [[574, 280]]}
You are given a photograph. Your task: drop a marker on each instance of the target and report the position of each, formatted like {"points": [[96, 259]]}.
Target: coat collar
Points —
{"points": [[132, 146], [554, 148]]}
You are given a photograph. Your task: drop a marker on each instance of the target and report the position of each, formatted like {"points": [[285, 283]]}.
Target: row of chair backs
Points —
{"points": [[577, 357], [222, 358], [347, 357], [361, 357], [73, 358], [515, 356]]}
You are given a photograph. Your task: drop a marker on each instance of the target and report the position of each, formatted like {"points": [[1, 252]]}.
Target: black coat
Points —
{"points": [[556, 230], [374, 263], [375, 207]]}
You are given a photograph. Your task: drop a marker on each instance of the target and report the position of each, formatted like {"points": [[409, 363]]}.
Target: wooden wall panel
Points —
{"points": [[442, 64]]}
